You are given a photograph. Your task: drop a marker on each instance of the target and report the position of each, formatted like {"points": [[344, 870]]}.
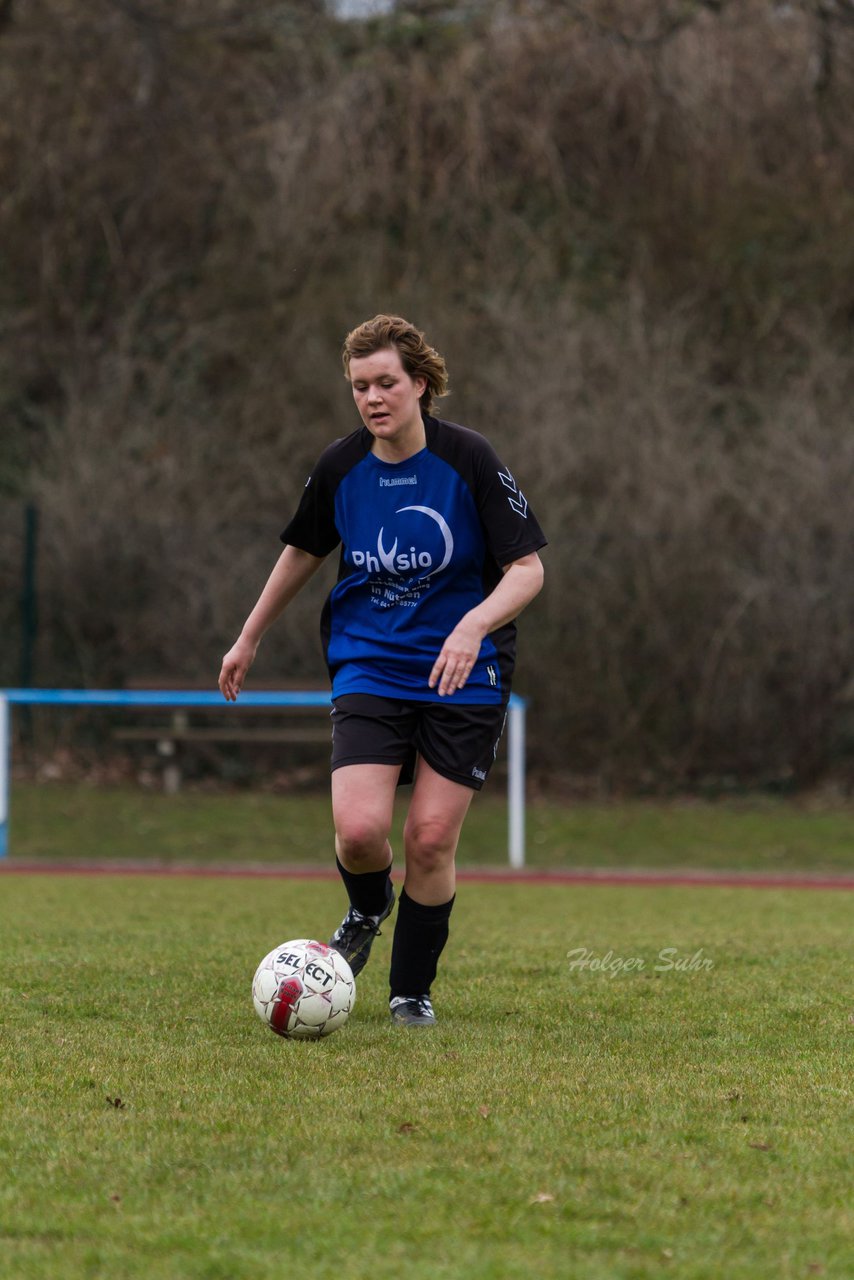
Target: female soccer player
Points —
{"points": [[438, 557]]}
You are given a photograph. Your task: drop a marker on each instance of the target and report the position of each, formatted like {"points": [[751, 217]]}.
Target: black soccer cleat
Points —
{"points": [[355, 935], [412, 1011]]}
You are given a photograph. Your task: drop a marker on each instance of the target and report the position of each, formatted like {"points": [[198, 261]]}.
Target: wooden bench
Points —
{"points": [[179, 728]]}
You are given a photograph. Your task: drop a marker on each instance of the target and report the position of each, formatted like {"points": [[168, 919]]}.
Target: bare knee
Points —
{"points": [[361, 842], [430, 844]]}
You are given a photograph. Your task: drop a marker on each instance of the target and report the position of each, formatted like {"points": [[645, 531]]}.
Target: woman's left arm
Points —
{"points": [[522, 581]]}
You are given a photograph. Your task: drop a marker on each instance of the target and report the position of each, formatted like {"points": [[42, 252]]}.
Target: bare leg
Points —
{"points": [[362, 805], [432, 832], [362, 809]]}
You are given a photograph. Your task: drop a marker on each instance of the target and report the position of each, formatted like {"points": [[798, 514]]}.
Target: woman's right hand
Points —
{"points": [[235, 664]]}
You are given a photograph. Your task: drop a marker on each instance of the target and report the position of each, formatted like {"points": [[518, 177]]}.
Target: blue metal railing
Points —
{"points": [[190, 698]]}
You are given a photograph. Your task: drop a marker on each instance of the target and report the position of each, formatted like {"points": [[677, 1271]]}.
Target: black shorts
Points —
{"points": [[460, 742]]}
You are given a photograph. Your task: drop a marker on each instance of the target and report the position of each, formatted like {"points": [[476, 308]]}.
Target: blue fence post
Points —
{"points": [[516, 782]]}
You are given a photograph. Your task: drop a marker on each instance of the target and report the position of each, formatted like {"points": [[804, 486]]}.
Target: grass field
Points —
{"points": [[560, 1122], [588, 1106], [757, 834]]}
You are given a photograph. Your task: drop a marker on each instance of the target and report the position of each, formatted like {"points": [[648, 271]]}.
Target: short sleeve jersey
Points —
{"points": [[422, 542]]}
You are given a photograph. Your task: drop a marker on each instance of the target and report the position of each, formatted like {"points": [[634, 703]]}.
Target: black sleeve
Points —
{"points": [[511, 528], [312, 528]]}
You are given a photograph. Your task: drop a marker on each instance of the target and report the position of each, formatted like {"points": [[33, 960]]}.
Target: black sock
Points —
{"points": [[420, 935], [368, 891]]}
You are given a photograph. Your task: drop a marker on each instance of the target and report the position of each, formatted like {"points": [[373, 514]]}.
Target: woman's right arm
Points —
{"points": [[292, 571]]}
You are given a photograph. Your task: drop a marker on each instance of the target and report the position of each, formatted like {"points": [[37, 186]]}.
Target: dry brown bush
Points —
{"points": [[626, 224]]}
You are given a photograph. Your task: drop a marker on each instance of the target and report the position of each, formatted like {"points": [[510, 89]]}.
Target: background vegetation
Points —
{"points": [[627, 223]]}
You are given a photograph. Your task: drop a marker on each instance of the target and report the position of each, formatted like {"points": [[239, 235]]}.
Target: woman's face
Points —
{"points": [[386, 396]]}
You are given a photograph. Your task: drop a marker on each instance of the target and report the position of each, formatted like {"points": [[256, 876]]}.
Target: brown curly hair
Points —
{"points": [[418, 358]]}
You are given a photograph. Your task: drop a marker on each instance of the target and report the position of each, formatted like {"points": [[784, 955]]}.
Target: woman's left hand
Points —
{"points": [[520, 582], [459, 653]]}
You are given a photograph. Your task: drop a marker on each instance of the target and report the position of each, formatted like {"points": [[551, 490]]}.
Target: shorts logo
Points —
{"points": [[493, 675], [479, 773], [419, 557]]}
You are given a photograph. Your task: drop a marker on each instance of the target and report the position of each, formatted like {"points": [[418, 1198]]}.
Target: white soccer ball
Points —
{"points": [[303, 989]]}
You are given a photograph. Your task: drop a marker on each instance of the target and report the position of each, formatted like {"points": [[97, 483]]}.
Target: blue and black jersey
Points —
{"points": [[422, 542]]}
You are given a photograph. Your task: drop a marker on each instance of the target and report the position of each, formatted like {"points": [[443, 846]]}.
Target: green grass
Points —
{"points": [[558, 1123], [62, 821]]}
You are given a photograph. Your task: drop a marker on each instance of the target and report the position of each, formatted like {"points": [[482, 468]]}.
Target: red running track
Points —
{"points": [[477, 875]]}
